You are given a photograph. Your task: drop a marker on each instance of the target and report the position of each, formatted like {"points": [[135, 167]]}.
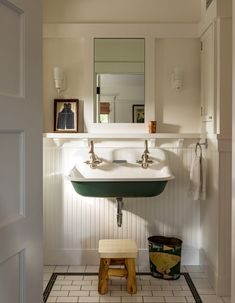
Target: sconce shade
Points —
{"points": [[58, 73], [59, 78]]}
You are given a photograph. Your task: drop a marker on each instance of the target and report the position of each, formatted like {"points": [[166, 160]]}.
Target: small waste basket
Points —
{"points": [[165, 257]]}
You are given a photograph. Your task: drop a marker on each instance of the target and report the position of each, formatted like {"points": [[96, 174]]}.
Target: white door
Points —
{"points": [[20, 152], [233, 169]]}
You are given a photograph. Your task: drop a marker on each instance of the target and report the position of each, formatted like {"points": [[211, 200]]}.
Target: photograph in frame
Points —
{"points": [[66, 115], [138, 113]]}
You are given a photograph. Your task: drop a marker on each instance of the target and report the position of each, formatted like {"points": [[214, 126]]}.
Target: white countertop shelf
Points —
{"points": [[113, 136]]}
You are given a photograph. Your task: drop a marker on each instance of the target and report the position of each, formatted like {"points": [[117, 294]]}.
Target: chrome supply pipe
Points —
{"points": [[119, 202], [145, 159]]}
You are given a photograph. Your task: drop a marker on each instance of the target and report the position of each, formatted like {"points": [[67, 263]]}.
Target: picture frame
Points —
{"points": [[66, 115], [138, 113]]}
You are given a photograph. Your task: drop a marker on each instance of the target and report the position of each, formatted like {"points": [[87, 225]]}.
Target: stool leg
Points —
{"points": [[131, 276], [103, 276]]}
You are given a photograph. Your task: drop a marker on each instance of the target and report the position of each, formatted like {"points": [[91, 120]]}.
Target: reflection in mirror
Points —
{"points": [[119, 79]]}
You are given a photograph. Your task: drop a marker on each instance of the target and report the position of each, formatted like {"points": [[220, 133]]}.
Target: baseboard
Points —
{"points": [[90, 256], [71, 257], [209, 269], [221, 282], [224, 286]]}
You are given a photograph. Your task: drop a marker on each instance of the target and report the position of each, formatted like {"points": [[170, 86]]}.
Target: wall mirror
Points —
{"points": [[119, 69]]}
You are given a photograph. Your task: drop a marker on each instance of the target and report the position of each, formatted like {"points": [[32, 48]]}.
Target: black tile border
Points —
{"points": [[192, 287], [54, 276], [49, 286]]}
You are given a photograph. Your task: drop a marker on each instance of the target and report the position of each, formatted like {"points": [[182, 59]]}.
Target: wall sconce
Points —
{"points": [[177, 78], [59, 78]]}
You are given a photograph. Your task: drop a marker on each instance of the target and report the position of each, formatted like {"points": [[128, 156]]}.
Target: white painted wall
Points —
{"points": [[108, 11], [72, 54], [68, 54], [121, 11], [178, 111], [224, 77]]}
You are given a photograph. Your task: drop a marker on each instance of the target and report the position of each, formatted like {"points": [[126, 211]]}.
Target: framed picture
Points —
{"points": [[138, 113], [66, 115]]}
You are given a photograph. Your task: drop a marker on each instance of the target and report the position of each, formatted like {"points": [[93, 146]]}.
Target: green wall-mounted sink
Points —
{"points": [[119, 188], [121, 178], [116, 178]]}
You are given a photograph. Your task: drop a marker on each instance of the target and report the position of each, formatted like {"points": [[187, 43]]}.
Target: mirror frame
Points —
{"points": [[96, 106], [119, 31]]}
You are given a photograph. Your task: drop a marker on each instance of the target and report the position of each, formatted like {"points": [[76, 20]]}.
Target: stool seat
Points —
{"points": [[117, 248], [117, 252]]}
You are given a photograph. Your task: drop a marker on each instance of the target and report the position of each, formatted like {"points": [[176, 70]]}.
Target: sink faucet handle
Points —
{"points": [[146, 150], [94, 160], [91, 151], [145, 159]]}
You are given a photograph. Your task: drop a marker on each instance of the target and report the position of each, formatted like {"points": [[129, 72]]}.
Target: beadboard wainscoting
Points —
{"points": [[74, 224], [215, 216]]}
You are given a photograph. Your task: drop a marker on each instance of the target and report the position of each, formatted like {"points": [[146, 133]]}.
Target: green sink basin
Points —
{"points": [[124, 189]]}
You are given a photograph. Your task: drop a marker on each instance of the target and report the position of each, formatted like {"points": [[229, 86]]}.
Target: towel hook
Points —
{"points": [[198, 145], [204, 143]]}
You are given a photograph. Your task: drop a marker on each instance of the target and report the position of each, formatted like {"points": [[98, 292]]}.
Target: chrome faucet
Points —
{"points": [[145, 159], [94, 160]]}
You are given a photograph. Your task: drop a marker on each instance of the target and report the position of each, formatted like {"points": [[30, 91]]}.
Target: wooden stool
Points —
{"points": [[117, 252]]}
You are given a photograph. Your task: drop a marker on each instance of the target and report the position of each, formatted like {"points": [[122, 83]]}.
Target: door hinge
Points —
{"points": [[201, 111], [208, 3], [98, 90], [201, 45]]}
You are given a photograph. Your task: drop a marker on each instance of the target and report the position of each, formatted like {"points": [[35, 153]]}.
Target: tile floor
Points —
{"points": [[84, 288]]}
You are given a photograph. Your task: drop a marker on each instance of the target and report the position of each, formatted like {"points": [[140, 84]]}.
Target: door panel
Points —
{"points": [[20, 152], [12, 191], [11, 277], [11, 52]]}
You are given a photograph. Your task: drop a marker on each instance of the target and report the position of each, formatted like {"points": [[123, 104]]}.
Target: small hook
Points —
{"points": [[196, 148]]}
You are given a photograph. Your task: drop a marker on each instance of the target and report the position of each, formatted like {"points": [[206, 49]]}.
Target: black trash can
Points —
{"points": [[165, 257]]}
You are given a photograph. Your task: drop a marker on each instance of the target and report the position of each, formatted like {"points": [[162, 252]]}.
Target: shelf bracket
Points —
{"points": [[180, 143]]}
